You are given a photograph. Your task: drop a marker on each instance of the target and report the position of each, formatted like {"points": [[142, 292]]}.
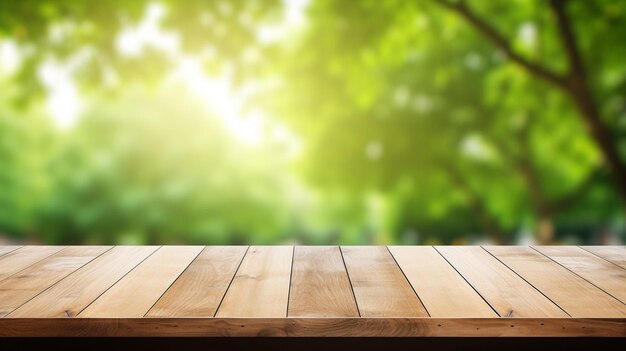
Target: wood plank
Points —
{"points": [[380, 288], [6, 249], [261, 286], [137, 292], [310, 291], [594, 269], [314, 327], [201, 287], [504, 290], [23, 286], [442, 289], [576, 296], [614, 254], [21, 258], [319, 284], [72, 294]]}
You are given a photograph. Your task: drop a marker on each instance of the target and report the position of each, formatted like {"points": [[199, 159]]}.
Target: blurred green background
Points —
{"points": [[314, 122]]}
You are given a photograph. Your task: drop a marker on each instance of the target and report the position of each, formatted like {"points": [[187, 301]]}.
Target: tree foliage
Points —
{"points": [[430, 121]]}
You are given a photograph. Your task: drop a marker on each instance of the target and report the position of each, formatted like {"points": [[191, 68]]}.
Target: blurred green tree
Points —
{"points": [[24, 137], [149, 169], [223, 32], [420, 122], [416, 95]]}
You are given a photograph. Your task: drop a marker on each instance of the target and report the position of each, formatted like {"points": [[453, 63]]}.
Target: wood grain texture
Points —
{"points": [[6, 249], [14, 261], [504, 290], [447, 295], [594, 269], [137, 292], [319, 284], [314, 327], [614, 254], [200, 289], [312, 291], [72, 294], [380, 288], [576, 296], [23, 286], [261, 286]]}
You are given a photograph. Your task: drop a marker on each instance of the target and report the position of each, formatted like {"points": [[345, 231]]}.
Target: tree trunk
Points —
{"points": [[577, 85], [545, 229], [604, 139], [488, 223], [574, 83]]}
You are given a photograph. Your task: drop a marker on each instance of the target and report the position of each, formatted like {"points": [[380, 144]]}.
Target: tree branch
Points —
{"points": [[581, 93], [500, 41], [576, 67], [529, 173]]}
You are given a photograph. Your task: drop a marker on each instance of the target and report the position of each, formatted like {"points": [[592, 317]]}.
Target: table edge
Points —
{"points": [[312, 327]]}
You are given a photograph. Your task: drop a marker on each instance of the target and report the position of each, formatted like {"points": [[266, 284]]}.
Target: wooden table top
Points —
{"points": [[312, 291]]}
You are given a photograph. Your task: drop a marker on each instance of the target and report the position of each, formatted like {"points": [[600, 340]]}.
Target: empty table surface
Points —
{"points": [[312, 291]]}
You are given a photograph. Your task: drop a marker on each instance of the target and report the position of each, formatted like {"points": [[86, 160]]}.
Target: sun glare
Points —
{"points": [[9, 57], [221, 98], [63, 100], [249, 126], [133, 39]]}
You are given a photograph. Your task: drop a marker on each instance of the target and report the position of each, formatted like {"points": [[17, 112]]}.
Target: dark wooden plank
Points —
{"points": [[261, 286], [594, 269], [71, 295], [380, 288], [319, 284], [23, 286], [442, 289], [200, 289], [504, 290], [331, 327], [576, 296]]}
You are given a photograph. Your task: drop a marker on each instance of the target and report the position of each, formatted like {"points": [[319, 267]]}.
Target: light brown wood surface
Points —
{"points": [[6, 249], [614, 254], [312, 291], [261, 286], [574, 295], [137, 292], [590, 267], [15, 261], [504, 290], [319, 284], [71, 295], [23, 286], [380, 288], [200, 289], [447, 295]]}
